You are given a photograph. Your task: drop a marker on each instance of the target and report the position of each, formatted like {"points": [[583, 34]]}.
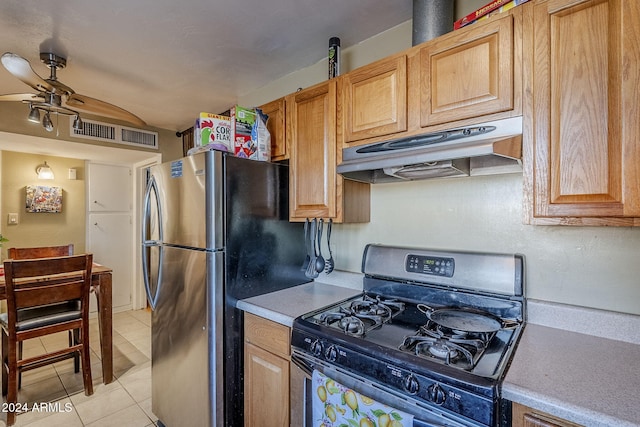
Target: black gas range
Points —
{"points": [[432, 334]]}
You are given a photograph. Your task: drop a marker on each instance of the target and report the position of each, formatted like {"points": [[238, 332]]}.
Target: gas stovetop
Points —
{"points": [[438, 326], [389, 326]]}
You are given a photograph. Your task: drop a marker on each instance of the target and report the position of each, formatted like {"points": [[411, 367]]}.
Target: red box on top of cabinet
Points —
{"points": [[495, 6]]}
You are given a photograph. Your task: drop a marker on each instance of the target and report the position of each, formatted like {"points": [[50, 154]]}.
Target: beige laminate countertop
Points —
{"points": [[586, 379], [285, 305]]}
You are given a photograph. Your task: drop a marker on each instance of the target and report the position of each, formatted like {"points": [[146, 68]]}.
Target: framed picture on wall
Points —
{"points": [[41, 198]]}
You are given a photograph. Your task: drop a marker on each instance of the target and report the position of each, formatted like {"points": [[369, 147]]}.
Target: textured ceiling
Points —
{"points": [[167, 60]]}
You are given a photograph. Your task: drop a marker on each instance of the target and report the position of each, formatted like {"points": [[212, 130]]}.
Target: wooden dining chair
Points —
{"points": [[42, 298], [41, 252], [45, 252]]}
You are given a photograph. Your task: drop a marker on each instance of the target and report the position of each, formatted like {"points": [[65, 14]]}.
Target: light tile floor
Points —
{"points": [[126, 402]]}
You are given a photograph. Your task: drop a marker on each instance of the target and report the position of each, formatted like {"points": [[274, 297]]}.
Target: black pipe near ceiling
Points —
{"points": [[431, 18]]}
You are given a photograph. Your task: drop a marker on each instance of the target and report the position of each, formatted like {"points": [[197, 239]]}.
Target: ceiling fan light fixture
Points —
{"points": [[34, 115], [77, 123], [46, 122], [44, 171]]}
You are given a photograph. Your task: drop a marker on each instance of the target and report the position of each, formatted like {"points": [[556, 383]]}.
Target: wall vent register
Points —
{"points": [[107, 132]]}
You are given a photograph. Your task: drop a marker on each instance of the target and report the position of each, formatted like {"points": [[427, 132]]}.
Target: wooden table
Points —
{"points": [[101, 283]]}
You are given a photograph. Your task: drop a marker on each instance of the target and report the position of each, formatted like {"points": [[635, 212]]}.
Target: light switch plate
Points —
{"points": [[13, 219]]}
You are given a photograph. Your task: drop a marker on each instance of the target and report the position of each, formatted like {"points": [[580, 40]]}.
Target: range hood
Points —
{"points": [[483, 149]]}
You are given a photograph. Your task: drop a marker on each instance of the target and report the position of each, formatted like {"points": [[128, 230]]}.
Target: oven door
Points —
{"points": [[301, 394]]}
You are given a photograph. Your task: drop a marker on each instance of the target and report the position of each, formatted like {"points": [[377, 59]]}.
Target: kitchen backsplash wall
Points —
{"points": [[588, 266]]}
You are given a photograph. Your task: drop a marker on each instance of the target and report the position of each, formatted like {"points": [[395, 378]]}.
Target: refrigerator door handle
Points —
{"points": [[147, 244]]}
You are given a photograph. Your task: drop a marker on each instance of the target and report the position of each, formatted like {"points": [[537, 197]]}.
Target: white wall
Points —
{"points": [[596, 267], [590, 266]]}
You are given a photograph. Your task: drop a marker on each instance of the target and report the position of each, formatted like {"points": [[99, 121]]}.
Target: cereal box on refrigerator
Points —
{"points": [[213, 131], [242, 120], [261, 137]]}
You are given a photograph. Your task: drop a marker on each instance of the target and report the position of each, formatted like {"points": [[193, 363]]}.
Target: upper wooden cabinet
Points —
{"points": [[582, 162], [465, 77], [316, 190], [276, 126], [311, 115], [375, 99], [468, 73]]}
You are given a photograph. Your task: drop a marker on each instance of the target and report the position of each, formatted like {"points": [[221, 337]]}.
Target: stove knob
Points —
{"points": [[332, 353], [411, 384], [316, 348], [436, 394]]}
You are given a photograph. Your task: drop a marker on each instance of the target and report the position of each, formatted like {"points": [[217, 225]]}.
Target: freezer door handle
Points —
{"points": [[152, 297]]}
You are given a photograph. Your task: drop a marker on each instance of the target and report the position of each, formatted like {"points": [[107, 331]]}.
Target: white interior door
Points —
{"points": [[110, 242], [109, 188], [110, 234]]}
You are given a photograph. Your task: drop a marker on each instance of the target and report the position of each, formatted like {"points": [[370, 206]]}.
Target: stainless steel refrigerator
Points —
{"points": [[215, 230]]}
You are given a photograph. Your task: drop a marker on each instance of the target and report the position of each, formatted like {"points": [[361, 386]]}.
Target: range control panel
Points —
{"points": [[430, 265]]}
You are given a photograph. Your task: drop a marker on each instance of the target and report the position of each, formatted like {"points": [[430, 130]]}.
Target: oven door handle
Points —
{"points": [[303, 363]]}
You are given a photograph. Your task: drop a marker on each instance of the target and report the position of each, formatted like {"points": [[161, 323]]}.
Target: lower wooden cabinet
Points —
{"points": [[524, 416], [266, 372]]}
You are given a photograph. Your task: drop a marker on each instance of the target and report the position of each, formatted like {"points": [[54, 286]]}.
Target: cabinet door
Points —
{"points": [[469, 73], [311, 119], [533, 421], [585, 109], [266, 388], [527, 417], [276, 126], [267, 334], [375, 99]]}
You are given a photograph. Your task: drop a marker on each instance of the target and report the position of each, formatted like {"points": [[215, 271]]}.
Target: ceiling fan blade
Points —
{"points": [[20, 68], [24, 97], [101, 108], [60, 87]]}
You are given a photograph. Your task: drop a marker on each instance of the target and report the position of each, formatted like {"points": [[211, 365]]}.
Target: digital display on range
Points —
{"points": [[430, 265]]}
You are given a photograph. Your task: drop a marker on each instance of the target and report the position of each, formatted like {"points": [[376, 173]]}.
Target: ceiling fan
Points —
{"points": [[53, 96]]}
